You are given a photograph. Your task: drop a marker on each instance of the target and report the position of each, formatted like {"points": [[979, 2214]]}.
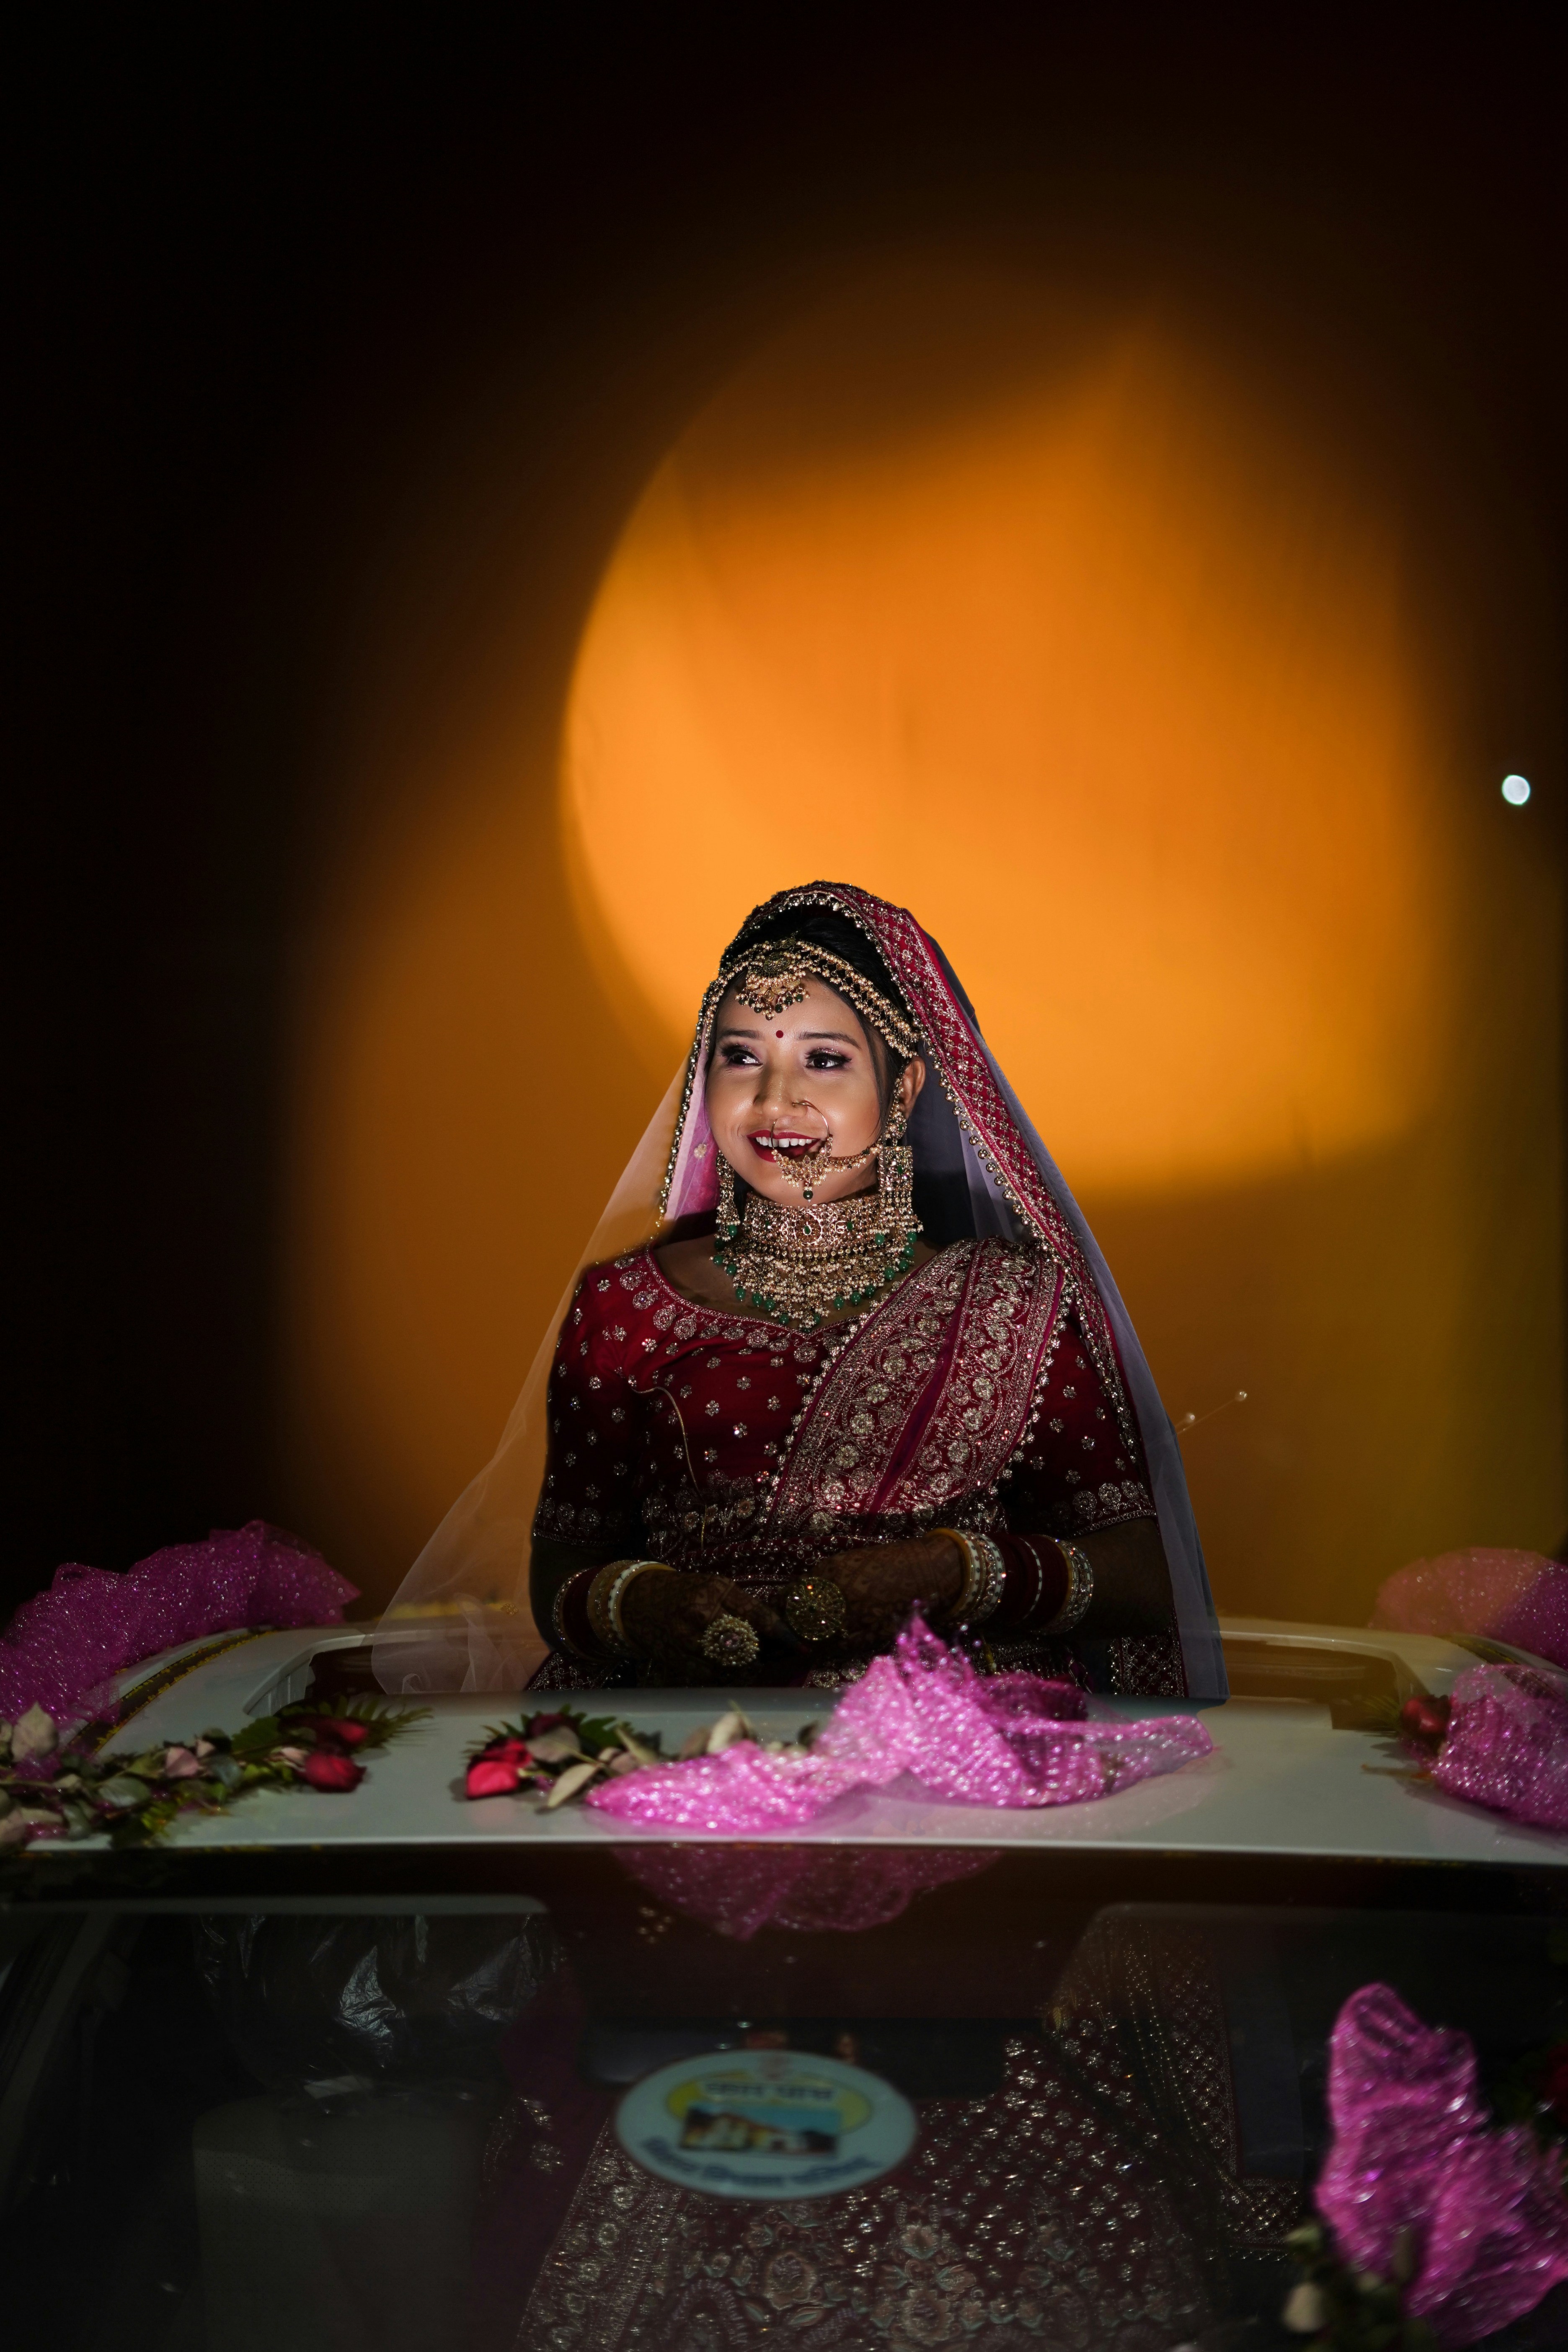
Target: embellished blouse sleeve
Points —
{"points": [[1080, 1470], [587, 1496]]}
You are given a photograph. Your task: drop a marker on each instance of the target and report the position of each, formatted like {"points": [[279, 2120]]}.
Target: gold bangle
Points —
{"points": [[1081, 1589], [605, 1595], [984, 1575], [558, 1614]]}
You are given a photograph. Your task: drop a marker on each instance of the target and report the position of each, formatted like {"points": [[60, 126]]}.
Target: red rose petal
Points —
{"points": [[491, 1776]]}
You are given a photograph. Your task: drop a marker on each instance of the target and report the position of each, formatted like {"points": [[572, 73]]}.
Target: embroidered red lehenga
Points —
{"points": [[967, 1397], [1098, 2201], [999, 1386]]}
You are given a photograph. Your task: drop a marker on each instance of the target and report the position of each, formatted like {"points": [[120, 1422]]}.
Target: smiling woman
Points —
{"points": [[805, 1406], [806, 1110]]}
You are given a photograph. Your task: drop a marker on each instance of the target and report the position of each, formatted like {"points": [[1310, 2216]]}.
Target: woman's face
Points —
{"points": [[802, 1084]]}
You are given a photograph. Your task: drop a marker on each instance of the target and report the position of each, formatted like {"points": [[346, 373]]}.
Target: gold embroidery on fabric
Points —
{"points": [[1062, 2208], [719, 1509], [866, 1379], [989, 2222], [1147, 1665], [611, 2254], [1157, 1985], [889, 1434]]}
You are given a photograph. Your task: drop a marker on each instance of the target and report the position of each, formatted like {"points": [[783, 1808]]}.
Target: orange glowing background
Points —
{"points": [[1106, 680], [1073, 634]]}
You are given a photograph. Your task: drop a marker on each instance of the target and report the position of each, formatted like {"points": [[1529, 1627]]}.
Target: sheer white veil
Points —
{"points": [[460, 1619]]}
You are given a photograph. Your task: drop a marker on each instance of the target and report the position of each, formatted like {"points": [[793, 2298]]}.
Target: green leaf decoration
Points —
{"points": [[383, 1719], [595, 1733], [125, 1791], [134, 1799], [255, 1738], [577, 1748], [592, 1733]]}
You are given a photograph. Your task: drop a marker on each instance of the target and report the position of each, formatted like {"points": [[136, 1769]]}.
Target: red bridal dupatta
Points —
{"points": [[460, 1619]]}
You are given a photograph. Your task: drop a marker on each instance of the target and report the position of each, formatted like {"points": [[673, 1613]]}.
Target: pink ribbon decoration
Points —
{"points": [[1010, 1740], [1506, 1745], [1509, 1596], [62, 1648], [1416, 2157]]}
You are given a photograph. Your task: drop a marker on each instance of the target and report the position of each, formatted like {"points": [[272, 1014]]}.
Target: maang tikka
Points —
{"points": [[777, 974]]}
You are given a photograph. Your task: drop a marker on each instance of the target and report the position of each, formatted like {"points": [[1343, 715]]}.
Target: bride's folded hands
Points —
{"points": [[883, 1583], [666, 1617]]}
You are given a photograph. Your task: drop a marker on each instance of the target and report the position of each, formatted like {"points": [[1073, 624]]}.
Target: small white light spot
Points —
{"points": [[1516, 791]]}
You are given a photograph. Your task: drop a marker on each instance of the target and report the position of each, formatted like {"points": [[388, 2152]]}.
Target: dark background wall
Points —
{"points": [[271, 269]]}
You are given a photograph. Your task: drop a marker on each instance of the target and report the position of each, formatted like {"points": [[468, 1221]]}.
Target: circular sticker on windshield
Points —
{"points": [[766, 2124]]}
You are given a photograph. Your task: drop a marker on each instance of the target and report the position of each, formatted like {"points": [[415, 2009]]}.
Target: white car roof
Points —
{"points": [[1283, 1782]]}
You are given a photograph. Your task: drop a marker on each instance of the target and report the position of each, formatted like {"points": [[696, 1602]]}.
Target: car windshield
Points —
{"points": [[690, 2094]]}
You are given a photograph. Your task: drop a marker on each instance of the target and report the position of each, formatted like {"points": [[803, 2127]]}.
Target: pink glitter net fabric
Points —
{"points": [[1508, 1596], [1011, 1739], [1506, 1745], [61, 1648], [1414, 2152]]}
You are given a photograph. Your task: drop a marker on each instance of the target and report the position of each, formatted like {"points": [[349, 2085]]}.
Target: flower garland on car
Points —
{"points": [[555, 1755], [561, 1754], [50, 1789]]}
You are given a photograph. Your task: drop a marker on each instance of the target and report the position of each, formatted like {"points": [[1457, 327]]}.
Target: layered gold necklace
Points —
{"points": [[802, 1265]]}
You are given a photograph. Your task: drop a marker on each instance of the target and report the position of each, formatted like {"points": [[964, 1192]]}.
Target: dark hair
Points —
{"points": [[825, 927]]}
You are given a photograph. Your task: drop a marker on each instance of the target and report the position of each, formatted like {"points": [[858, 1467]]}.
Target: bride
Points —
{"points": [[844, 1347], [865, 1358]]}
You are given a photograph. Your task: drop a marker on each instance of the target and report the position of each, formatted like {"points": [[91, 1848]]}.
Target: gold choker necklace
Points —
{"points": [[801, 1264]]}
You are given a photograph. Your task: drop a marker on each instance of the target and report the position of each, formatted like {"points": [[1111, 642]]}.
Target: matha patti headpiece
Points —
{"points": [[776, 974]]}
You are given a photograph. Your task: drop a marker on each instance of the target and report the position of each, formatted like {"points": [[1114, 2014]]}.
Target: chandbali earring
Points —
{"points": [[896, 1220]]}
